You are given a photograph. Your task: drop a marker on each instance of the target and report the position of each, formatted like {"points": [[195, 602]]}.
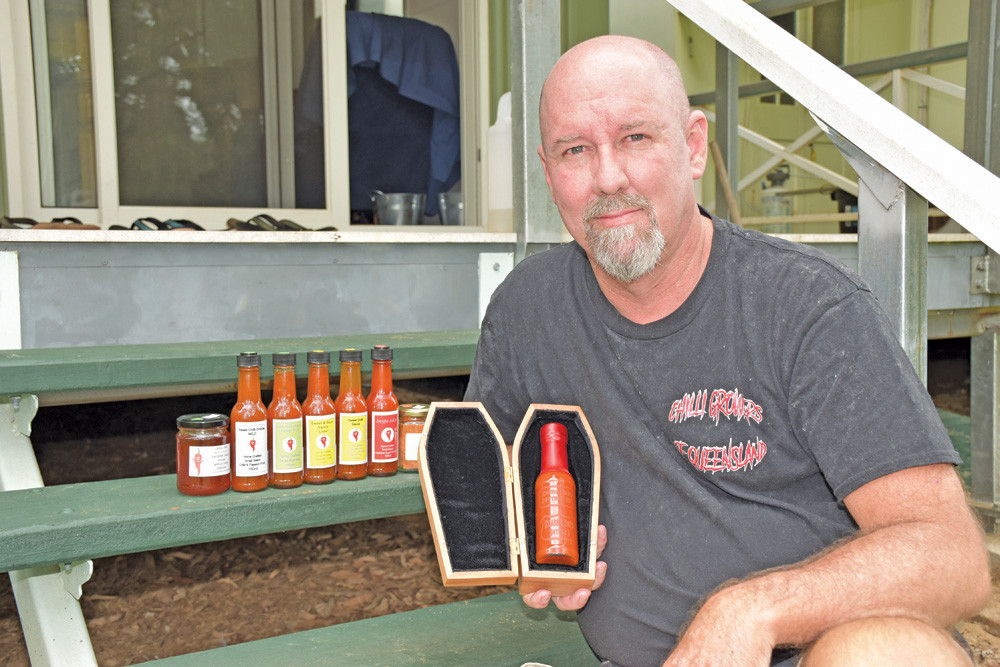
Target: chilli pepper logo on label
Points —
{"points": [[253, 445], [324, 442], [197, 464], [290, 443], [388, 434], [354, 435]]}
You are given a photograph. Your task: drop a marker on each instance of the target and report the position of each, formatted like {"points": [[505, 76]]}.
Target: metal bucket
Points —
{"points": [[398, 208], [451, 208]]}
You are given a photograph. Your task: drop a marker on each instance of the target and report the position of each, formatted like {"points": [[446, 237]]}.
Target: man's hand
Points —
{"points": [[575, 600]]}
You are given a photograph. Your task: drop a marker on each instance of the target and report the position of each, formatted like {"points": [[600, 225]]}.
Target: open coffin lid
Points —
{"points": [[480, 500]]}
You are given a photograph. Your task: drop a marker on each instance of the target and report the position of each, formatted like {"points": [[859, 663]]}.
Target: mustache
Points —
{"points": [[605, 204]]}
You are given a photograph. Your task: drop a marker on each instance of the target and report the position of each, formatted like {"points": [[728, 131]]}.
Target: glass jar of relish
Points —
{"points": [[203, 467], [411, 427]]}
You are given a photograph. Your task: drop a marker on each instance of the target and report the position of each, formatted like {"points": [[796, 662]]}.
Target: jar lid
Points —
{"points": [[381, 353], [414, 410], [202, 420], [248, 359], [283, 358], [350, 354], [318, 357]]}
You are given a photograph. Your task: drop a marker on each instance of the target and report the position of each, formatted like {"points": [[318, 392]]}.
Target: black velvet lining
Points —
{"points": [[580, 457], [466, 470]]}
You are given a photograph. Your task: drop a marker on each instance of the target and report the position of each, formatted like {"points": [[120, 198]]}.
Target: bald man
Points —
{"points": [[774, 475]]}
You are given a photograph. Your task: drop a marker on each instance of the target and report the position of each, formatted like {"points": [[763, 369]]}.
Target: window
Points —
{"points": [[192, 107]]}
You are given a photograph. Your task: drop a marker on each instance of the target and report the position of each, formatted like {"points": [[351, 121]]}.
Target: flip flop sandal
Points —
{"points": [[238, 225], [264, 223], [148, 224], [64, 223], [16, 223], [182, 224], [290, 226]]}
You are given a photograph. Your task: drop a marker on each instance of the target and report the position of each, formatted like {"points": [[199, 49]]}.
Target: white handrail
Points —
{"points": [[955, 183]]}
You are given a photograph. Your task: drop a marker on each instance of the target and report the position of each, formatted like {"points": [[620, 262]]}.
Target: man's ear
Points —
{"points": [[697, 141], [545, 167]]}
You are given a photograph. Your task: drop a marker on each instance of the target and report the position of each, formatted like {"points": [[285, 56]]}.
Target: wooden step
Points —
{"points": [[494, 630], [73, 522], [80, 370]]}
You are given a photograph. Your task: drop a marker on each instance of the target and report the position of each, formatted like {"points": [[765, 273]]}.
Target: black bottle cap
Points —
{"points": [[204, 420], [283, 358], [318, 357], [381, 353], [248, 360], [350, 354]]}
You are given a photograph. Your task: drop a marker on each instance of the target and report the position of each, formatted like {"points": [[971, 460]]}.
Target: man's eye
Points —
{"points": [[575, 150], [636, 137]]}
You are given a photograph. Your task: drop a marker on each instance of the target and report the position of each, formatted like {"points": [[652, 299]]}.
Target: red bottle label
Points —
{"points": [[385, 436]]}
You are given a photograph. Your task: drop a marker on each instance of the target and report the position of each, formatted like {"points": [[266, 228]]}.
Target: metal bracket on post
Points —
{"points": [[984, 277], [892, 247], [493, 268], [74, 575]]}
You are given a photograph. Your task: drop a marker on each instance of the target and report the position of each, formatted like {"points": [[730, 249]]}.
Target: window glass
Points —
{"points": [[189, 103], [64, 103]]}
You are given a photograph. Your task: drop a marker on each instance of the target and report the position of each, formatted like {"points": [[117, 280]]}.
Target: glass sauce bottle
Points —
{"points": [[383, 417], [352, 419], [555, 502], [284, 426], [320, 422], [248, 424]]}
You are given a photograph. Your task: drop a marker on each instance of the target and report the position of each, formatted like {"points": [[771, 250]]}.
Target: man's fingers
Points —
{"points": [[602, 539], [573, 601], [600, 570], [538, 599]]}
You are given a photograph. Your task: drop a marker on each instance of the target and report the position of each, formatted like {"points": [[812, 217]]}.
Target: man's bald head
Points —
{"points": [[612, 60]]}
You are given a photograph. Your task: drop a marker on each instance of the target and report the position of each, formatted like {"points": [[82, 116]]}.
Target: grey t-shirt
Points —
{"points": [[730, 431]]}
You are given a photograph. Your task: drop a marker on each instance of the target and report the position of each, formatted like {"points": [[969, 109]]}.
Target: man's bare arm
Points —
{"points": [[918, 553]]}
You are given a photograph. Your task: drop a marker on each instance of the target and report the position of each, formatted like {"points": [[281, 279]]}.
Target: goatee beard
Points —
{"points": [[627, 252]]}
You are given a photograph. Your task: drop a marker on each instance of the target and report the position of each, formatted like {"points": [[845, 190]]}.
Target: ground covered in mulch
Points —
{"points": [[162, 603]]}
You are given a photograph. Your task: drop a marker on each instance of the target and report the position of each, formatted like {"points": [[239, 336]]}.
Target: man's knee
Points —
{"points": [[885, 641]]}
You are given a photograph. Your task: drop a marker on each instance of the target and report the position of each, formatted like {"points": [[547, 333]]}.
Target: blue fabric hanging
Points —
{"points": [[403, 107]]}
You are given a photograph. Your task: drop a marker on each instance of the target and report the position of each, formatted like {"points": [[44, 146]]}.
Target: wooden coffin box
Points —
{"points": [[480, 498]]}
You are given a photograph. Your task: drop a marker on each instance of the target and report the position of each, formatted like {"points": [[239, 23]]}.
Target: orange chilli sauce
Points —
{"points": [[320, 415], [284, 427], [352, 419], [248, 426], [383, 417]]}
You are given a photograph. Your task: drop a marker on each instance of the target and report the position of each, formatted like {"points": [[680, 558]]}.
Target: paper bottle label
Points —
{"points": [[287, 434], [353, 432], [385, 429], [321, 450], [250, 439]]}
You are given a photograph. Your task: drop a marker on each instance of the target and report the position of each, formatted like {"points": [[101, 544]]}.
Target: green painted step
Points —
{"points": [[73, 369], [494, 630], [72, 522], [959, 429]]}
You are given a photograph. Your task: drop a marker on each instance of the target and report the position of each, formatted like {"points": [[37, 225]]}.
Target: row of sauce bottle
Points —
{"points": [[289, 443]]}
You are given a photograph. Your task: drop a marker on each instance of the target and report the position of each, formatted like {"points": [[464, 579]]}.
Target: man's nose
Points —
{"points": [[610, 172]]}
